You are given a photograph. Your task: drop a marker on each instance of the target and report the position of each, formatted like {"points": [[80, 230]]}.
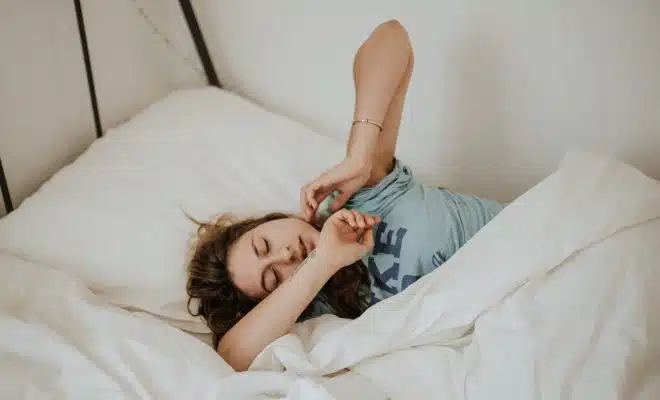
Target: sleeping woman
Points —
{"points": [[367, 228]]}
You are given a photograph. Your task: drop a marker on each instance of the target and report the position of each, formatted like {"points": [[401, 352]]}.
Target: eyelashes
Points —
{"points": [[267, 246]]}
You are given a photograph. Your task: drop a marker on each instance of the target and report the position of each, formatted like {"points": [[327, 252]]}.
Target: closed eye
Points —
{"points": [[254, 248], [261, 252]]}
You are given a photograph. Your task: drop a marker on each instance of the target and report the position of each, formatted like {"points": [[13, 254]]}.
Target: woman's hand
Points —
{"points": [[346, 237], [347, 178]]}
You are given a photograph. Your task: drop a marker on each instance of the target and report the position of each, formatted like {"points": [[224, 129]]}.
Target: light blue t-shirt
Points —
{"points": [[421, 227]]}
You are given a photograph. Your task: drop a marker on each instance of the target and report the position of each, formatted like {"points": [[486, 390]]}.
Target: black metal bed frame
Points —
{"points": [[202, 52]]}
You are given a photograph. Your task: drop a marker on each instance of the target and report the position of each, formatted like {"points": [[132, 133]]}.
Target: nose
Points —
{"points": [[285, 256], [286, 261]]}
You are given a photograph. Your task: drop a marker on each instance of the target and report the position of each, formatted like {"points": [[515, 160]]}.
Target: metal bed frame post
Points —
{"points": [[200, 43], [202, 52], [6, 197], [88, 68]]}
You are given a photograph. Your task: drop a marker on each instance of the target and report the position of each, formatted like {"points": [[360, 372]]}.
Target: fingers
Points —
{"points": [[310, 208], [338, 177], [348, 217], [365, 221], [368, 238], [361, 220], [357, 220], [305, 207], [372, 219], [310, 198], [309, 194]]}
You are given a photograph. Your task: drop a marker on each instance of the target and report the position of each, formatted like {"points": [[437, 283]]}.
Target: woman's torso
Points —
{"points": [[421, 227]]}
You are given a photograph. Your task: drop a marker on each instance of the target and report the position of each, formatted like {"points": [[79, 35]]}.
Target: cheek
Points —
{"points": [[241, 273], [288, 270], [310, 232], [313, 237], [237, 277]]}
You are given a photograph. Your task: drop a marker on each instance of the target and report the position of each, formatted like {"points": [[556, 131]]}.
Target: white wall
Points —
{"points": [[45, 114], [133, 65], [45, 111], [500, 91]]}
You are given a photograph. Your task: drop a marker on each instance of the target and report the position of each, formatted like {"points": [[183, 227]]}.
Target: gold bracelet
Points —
{"points": [[368, 121]]}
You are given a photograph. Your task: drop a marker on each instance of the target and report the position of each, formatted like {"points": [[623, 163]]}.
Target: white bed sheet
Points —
{"points": [[60, 341], [557, 298]]}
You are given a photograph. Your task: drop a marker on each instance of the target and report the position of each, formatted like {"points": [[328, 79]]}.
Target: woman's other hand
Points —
{"points": [[346, 237], [346, 178]]}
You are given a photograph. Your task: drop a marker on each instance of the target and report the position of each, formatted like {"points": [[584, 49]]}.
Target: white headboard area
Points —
{"points": [[501, 90], [46, 117]]}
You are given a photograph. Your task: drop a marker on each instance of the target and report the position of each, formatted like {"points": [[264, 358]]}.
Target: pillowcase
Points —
{"points": [[116, 216]]}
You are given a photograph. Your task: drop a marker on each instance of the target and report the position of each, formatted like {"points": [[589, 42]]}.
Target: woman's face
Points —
{"points": [[264, 257]]}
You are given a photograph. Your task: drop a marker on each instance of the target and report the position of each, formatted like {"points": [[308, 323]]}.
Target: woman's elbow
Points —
{"points": [[239, 362], [394, 28], [393, 25]]}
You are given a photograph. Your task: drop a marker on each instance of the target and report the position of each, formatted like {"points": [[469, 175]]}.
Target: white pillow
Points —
{"points": [[115, 217]]}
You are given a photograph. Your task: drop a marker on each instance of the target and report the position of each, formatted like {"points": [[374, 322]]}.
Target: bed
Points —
{"points": [[556, 298]]}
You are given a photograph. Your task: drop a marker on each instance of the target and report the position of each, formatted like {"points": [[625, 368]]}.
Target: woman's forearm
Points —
{"points": [[379, 66], [274, 316]]}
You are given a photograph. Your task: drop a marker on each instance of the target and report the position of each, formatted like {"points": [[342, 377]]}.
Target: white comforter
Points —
{"points": [[559, 297]]}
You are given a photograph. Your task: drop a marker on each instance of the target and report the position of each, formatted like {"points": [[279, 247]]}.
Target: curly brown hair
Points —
{"points": [[222, 304]]}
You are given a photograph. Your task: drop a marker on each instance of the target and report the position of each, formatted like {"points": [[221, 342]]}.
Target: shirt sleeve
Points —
{"points": [[378, 199]]}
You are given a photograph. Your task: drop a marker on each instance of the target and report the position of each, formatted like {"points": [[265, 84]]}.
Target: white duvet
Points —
{"points": [[557, 298]]}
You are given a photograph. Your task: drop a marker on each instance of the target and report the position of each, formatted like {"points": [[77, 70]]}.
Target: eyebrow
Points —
{"points": [[263, 272]]}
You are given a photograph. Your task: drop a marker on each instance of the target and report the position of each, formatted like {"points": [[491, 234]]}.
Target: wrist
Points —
{"points": [[368, 121], [312, 273], [325, 262], [362, 143], [361, 161]]}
